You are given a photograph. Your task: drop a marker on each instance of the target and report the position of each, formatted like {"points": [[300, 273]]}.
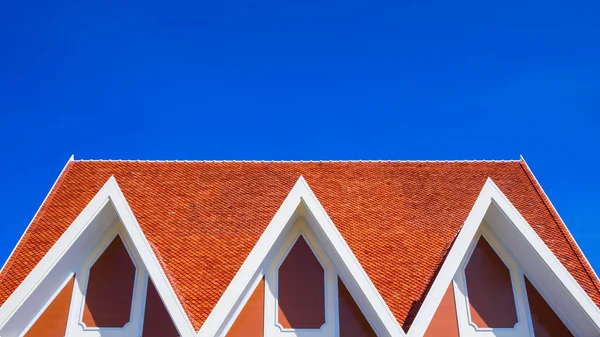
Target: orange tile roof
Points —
{"points": [[203, 218]]}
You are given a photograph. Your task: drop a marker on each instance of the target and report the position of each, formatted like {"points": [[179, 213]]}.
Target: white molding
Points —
{"points": [[84, 277], [245, 299], [153, 267], [75, 325], [41, 311], [272, 326], [467, 327], [355, 278], [489, 197], [109, 195], [72, 158], [451, 264]]}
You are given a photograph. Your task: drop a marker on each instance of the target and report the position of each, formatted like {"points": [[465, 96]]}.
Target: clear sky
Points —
{"points": [[301, 80]]}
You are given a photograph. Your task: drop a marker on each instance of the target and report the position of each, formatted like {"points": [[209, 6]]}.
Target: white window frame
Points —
{"points": [[467, 328], [75, 325], [331, 326]]}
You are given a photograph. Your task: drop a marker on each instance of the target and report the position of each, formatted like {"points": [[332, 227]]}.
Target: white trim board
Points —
{"points": [[302, 199], [49, 302], [467, 327], [272, 326], [107, 205], [539, 264], [75, 324]]}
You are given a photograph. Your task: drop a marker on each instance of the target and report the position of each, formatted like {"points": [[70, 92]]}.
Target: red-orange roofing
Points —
{"points": [[203, 218]]}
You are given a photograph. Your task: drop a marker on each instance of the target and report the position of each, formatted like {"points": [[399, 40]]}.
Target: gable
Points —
{"points": [[298, 290], [494, 252], [373, 205], [109, 294], [112, 266], [500, 289]]}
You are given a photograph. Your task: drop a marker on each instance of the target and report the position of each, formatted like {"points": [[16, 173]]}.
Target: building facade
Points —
{"points": [[298, 249]]}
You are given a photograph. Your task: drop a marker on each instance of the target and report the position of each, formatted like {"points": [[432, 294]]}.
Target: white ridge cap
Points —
{"points": [[303, 161]]}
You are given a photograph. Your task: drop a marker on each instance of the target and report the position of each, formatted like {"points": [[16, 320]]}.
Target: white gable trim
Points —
{"points": [[489, 195], [109, 193], [272, 325], [49, 302], [467, 327], [301, 193], [75, 324]]}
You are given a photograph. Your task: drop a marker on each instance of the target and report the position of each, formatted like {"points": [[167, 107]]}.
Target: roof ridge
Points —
{"points": [[305, 161]]}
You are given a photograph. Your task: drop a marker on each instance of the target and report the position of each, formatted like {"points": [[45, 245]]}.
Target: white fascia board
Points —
{"points": [[253, 264], [488, 195], [109, 193], [38, 210]]}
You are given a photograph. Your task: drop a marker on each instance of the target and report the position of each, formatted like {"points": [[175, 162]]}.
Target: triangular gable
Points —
{"points": [[251, 272], [540, 265], [108, 205]]}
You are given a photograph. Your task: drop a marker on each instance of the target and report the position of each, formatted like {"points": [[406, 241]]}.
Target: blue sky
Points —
{"points": [[301, 80]]}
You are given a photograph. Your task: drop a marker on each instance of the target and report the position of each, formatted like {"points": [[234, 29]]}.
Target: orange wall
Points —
{"points": [[110, 288], [352, 322], [444, 322], [545, 321], [301, 289], [53, 321], [157, 321], [489, 286], [250, 321]]}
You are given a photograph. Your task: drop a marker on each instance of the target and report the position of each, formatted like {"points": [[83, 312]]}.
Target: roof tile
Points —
{"points": [[203, 218]]}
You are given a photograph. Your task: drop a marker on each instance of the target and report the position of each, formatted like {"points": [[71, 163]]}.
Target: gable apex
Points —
{"points": [[302, 200], [107, 206], [494, 209]]}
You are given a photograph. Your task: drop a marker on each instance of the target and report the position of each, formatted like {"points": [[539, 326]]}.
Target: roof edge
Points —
{"points": [[49, 195], [562, 225]]}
